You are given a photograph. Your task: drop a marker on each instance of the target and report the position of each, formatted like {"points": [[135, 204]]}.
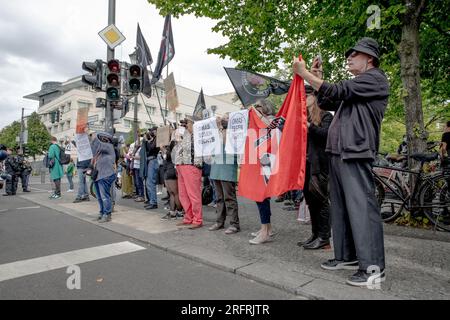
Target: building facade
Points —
{"points": [[67, 97]]}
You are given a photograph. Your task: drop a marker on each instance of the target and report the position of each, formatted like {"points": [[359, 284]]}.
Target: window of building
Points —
{"points": [[151, 110], [68, 125], [127, 123], [164, 112], [82, 104], [69, 106]]}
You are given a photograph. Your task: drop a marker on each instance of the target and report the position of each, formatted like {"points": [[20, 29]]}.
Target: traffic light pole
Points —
{"points": [[109, 117]]}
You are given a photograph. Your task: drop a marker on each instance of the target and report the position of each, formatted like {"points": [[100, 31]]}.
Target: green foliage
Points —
{"points": [[8, 134], [38, 135], [263, 33]]}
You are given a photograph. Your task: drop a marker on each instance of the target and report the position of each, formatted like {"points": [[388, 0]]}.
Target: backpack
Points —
{"points": [[207, 195], [47, 162], [63, 157]]}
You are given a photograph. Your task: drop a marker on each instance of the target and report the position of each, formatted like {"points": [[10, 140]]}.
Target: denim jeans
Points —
{"points": [[70, 179], [82, 187], [152, 172], [103, 190], [264, 211], [138, 183]]}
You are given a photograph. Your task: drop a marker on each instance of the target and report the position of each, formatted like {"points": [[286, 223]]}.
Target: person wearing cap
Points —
{"points": [[104, 162], [189, 170], [353, 141]]}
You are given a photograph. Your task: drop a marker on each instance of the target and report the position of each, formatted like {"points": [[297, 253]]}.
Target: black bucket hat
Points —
{"points": [[366, 45]]}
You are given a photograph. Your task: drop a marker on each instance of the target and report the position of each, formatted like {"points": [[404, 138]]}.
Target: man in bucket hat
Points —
{"points": [[353, 140]]}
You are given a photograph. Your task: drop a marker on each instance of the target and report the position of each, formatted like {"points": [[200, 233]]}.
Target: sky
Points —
{"points": [[47, 40]]}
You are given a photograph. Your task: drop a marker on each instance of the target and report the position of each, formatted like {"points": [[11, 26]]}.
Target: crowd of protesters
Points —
{"points": [[339, 187]]}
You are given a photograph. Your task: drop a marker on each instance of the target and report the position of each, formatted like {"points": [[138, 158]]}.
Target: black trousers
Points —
{"points": [[319, 208], [24, 180], [355, 214], [11, 184]]}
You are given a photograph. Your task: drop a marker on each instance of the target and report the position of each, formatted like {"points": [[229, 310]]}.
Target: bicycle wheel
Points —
{"points": [[434, 197], [391, 203]]}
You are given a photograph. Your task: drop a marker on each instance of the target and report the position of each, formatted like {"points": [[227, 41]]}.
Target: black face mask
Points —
{"points": [[224, 124]]}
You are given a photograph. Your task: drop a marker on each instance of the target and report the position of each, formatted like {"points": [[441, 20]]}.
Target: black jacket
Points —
{"points": [[12, 165], [317, 140], [359, 104]]}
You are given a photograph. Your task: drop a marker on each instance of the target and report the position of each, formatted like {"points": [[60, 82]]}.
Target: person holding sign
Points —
{"points": [[224, 176]]}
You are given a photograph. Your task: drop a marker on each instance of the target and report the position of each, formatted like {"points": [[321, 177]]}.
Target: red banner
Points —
{"points": [[275, 153]]}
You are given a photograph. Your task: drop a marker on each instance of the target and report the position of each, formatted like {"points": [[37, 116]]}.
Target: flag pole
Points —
{"points": [[159, 101]]}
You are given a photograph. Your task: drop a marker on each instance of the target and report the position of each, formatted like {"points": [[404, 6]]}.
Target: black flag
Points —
{"points": [[199, 107], [144, 59], [166, 50], [251, 86]]}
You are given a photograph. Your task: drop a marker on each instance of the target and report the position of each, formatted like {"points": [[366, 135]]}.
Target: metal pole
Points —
{"points": [[136, 135], [21, 131], [109, 117]]}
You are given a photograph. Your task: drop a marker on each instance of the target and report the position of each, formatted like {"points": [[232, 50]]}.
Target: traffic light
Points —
{"points": [[53, 116], [25, 149], [113, 80], [135, 78], [94, 79]]}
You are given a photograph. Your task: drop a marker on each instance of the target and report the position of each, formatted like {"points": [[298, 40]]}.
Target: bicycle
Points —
{"points": [[430, 194]]}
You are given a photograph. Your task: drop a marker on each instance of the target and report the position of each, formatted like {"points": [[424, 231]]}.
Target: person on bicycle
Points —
{"points": [[353, 141]]}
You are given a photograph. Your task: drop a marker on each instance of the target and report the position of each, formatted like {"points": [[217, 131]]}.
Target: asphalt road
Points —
{"points": [[29, 234]]}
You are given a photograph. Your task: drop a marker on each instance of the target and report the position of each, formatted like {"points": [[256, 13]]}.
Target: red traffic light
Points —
{"points": [[114, 66], [113, 79], [135, 71]]}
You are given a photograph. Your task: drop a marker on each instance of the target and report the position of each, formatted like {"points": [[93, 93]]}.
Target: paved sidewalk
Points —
{"points": [[418, 261]]}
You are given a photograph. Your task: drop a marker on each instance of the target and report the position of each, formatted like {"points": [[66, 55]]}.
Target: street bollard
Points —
{"points": [[42, 176]]}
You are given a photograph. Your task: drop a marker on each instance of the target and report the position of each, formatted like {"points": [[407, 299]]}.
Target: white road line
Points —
{"points": [[41, 190], [24, 208], [24, 268], [3, 210]]}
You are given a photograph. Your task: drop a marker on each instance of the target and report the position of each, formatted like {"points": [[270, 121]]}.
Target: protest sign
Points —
{"points": [[236, 132], [206, 138], [84, 151]]}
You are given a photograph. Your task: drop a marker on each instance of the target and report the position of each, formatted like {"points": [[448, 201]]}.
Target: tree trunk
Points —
{"points": [[409, 62]]}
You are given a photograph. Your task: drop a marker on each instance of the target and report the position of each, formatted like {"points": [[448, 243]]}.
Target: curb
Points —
{"points": [[297, 284]]}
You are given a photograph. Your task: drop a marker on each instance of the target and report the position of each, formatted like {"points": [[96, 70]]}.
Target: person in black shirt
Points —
{"points": [[444, 149], [353, 141], [152, 168]]}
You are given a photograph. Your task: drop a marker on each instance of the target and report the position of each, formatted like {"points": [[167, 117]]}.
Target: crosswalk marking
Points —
{"points": [[24, 208], [27, 267]]}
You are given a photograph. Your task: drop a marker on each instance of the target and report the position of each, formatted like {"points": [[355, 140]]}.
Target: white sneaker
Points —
{"points": [[70, 190], [255, 234]]}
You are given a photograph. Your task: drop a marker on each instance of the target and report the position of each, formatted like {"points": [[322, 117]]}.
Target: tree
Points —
{"points": [[263, 33], [9, 134], [38, 135]]}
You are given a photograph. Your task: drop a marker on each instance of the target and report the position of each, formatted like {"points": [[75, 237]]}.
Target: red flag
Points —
{"points": [[275, 154]]}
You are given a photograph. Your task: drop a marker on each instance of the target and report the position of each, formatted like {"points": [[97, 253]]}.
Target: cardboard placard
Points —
{"points": [[163, 135]]}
